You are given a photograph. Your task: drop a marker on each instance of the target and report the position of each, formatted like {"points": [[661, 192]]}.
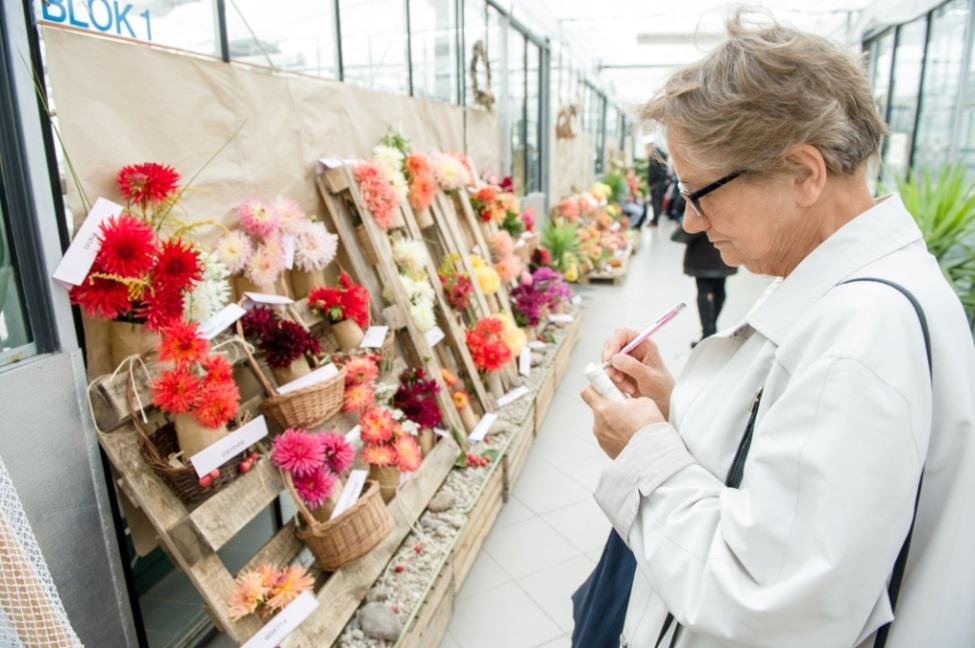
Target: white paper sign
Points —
{"points": [[350, 494], [374, 337], [434, 336], [483, 427], [404, 477], [284, 623], [512, 396], [352, 436], [230, 446], [77, 260], [441, 432], [560, 318], [615, 227], [525, 362], [273, 300], [319, 375], [219, 321], [289, 251], [537, 345], [577, 299]]}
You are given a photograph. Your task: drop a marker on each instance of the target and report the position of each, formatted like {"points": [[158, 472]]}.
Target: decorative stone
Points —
{"points": [[441, 502], [537, 358], [379, 623], [377, 594]]}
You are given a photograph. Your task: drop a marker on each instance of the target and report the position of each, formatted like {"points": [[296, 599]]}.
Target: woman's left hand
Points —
{"points": [[615, 423]]}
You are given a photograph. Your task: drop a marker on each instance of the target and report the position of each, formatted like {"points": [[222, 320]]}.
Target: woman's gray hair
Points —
{"points": [[764, 90]]}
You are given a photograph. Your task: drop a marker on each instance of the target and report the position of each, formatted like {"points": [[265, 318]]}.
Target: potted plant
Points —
{"points": [[389, 449], [489, 350], [346, 307], [286, 345], [416, 397]]}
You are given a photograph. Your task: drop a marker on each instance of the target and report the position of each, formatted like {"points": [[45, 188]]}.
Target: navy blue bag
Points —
{"points": [[599, 605]]}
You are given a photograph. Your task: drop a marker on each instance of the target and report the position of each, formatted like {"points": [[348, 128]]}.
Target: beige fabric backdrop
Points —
{"points": [[571, 165]]}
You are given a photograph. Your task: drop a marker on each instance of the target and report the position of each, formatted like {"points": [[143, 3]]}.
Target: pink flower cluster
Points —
{"points": [[378, 192], [315, 460]]}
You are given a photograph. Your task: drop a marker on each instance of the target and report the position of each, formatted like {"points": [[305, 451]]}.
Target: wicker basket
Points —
{"points": [[303, 408], [157, 446], [348, 536]]}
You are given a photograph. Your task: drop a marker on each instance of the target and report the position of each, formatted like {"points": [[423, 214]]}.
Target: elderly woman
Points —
{"points": [[823, 393]]}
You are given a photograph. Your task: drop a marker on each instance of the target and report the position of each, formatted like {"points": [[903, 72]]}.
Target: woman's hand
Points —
{"points": [[641, 373], [615, 423]]}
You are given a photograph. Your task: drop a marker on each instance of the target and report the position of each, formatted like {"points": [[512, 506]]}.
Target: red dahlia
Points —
{"points": [[128, 246], [102, 298], [161, 307], [175, 391], [178, 266], [149, 182]]}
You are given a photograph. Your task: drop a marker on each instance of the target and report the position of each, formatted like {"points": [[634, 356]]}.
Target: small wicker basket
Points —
{"points": [[348, 536]]}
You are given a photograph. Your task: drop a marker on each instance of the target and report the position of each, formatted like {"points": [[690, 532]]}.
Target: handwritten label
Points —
{"points": [[273, 300], [483, 427], [435, 336], [560, 318], [512, 396], [537, 345], [525, 362], [219, 321], [284, 623], [230, 446], [319, 375], [289, 251], [80, 255], [374, 337], [350, 494]]}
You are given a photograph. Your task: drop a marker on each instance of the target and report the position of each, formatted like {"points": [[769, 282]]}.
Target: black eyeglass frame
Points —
{"points": [[693, 197]]}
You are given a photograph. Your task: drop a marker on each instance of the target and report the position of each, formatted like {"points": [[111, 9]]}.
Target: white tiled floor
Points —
{"points": [[550, 534]]}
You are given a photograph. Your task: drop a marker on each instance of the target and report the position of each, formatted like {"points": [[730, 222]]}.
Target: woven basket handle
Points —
{"points": [[137, 422], [310, 519]]}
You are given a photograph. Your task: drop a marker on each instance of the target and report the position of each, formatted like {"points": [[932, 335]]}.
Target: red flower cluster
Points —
{"points": [[486, 343], [199, 384], [458, 289], [149, 182], [417, 398], [136, 274], [282, 341], [347, 301]]}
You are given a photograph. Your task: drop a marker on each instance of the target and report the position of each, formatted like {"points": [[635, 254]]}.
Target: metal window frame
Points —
{"points": [[920, 91], [409, 50], [339, 62]]}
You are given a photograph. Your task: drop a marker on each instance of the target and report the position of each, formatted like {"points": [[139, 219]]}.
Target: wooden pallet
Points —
{"points": [[614, 276]]}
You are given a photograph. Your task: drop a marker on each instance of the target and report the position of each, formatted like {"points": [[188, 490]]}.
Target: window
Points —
{"points": [[516, 106], [374, 44], [495, 50], [533, 177], [881, 58], [942, 76], [186, 24], [966, 139], [15, 333], [289, 34], [475, 29], [433, 39], [904, 96]]}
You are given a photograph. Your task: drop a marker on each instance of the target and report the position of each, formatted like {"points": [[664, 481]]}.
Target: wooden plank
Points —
{"points": [[447, 221], [475, 532], [431, 622], [544, 399], [345, 589], [513, 461], [279, 550]]}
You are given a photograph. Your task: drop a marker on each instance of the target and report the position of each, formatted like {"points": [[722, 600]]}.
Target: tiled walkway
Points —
{"points": [[550, 534]]}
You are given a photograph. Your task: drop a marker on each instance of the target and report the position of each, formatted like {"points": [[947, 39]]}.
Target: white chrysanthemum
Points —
{"points": [[390, 160], [411, 257], [421, 297], [265, 264], [451, 172], [212, 293], [315, 247], [290, 215], [234, 250]]}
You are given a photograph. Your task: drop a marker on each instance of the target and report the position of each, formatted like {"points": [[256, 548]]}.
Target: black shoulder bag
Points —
{"points": [[738, 469]]}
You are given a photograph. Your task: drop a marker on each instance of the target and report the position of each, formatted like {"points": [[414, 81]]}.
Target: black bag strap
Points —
{"points": [[737, 471]]}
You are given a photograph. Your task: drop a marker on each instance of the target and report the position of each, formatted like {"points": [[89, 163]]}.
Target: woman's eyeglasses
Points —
{"points": [[693, 197]]}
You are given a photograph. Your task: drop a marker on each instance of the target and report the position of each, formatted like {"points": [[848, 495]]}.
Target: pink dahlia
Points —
{"points": [[315, 487], [297, 451], [257, 217], [339, 455]]}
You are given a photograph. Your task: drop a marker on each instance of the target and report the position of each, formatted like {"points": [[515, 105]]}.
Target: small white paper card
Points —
{"points": [[289, 251], [537, 345], [435, 336], [352, 436], [374, 337], [512, 396], [230, 446], [577, 299], [284, 622], [525, 362], [483, 427], [272, 300], [313, 378], [615, 227], [441, 432], [77, 260], [350, 494], [220, 320], [404, 477], [560, 318]]}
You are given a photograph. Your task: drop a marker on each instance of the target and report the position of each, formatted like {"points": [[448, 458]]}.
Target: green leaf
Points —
{"points": [[491, 454]]}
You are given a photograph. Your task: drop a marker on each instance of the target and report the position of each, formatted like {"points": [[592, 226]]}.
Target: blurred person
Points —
{"points": [[703, 262], [657, 181]]}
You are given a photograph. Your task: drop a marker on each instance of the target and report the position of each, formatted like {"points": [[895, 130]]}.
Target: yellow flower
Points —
{"points": [[487, 277], [514, 337]]}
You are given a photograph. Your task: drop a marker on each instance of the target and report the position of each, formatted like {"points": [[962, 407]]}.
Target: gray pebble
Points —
{"points": [[441, 502], [377, 594], [379, 622]]}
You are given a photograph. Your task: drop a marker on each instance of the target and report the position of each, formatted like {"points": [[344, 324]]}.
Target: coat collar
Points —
{"points": [[882, 229]]}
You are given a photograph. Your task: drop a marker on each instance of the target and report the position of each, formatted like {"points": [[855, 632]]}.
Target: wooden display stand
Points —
{"points": [[614, 276]]}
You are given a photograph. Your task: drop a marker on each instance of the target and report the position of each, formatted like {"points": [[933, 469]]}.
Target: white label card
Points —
{"points": [[284, 622], [289, 251], [230, 446], [537, 345], [353, 438], [577, 299], [512, 396], [483, 427], [319, 375], [615, 227], [77, 260], [525, 362], [435, 336], [404, 477], [560, 318], [374, 337], [220, 320], [273, 300], [441, 432], [350, 494]]}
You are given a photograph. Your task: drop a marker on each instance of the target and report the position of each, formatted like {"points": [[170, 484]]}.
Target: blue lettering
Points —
{"points": [[48, 10], [145, 14], [121, 16], [94, 20], [71, 19]]}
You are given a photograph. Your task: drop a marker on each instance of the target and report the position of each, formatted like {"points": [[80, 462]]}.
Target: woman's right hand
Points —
{"points": [[640, 373]]}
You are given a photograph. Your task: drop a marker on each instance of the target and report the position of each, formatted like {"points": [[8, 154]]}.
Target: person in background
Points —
{"points": [[657, 179], [703, 262]]}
